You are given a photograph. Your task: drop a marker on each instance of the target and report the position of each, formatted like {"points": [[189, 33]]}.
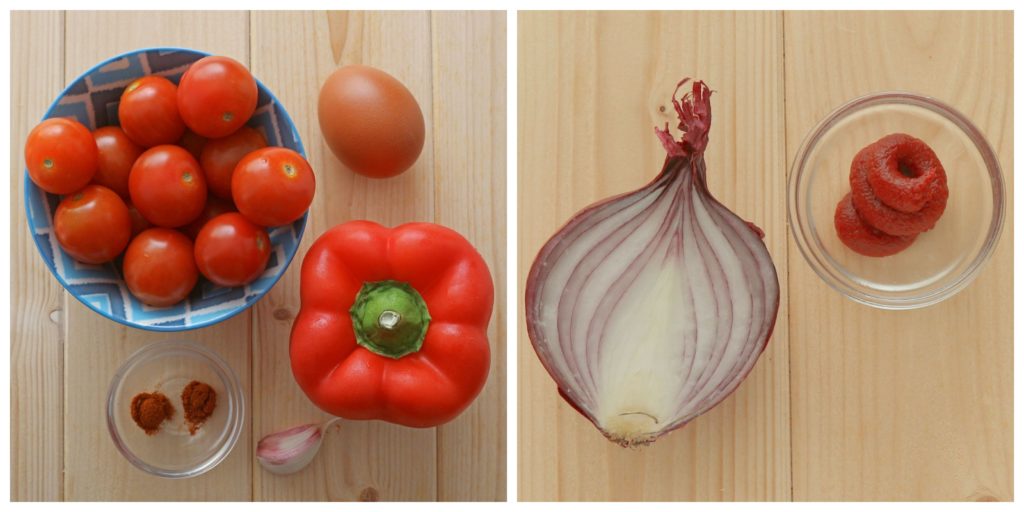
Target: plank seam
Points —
{"points": [[789, 321], [433, 208], [62, 481], [253, 468]]}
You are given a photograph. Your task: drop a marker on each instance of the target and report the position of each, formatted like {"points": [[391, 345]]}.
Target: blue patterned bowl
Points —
{"points": [[92, 99]]}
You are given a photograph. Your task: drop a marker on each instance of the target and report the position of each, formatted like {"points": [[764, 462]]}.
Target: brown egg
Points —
{"points": [[371, 122]]}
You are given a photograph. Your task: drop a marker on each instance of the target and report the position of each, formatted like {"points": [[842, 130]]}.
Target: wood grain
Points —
{"points": [[849, 403], [37, 300], [912, 405], [363, 459], [469, 155], [464, 168], [591, 88]]}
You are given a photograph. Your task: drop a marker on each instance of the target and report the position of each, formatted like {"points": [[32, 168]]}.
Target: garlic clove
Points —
{"points": [[290, 450]]}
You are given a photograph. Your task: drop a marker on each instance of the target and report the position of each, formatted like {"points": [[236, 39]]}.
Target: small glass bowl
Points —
{"points": [[167, 367], [942, 261]]}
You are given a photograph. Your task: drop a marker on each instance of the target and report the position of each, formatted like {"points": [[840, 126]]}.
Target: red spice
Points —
{"points": [[199, 401], [149, 410], [898, 190]]}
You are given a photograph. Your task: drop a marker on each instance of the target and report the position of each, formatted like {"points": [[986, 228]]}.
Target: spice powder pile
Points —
{"points": [[199, 400], [149, 410]]}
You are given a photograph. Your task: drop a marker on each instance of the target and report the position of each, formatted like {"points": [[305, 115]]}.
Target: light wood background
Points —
{"points": [[848, 402], [63, 355]]}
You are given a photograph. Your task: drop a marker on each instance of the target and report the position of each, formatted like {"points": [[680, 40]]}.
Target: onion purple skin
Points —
{"points": [[690, 148]]}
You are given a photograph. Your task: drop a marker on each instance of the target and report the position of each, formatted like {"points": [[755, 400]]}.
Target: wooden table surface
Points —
{"points": [[63, 355], [848, 402]]}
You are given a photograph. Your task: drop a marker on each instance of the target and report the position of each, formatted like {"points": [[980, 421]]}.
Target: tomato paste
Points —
{"points": [[898, 190], [861, 237]]}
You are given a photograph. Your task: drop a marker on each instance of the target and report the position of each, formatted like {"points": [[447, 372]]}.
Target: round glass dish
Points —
{"points": [[942, 261], [167, 367]]}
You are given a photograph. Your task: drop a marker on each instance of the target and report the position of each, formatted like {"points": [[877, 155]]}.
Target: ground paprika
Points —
{"points": [[149, 410], [199, 400]]}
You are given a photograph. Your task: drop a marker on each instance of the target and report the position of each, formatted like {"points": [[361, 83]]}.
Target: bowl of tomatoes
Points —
{"points": [[167, 189]]}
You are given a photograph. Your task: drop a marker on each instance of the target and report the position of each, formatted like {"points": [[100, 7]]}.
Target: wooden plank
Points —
{"points": [[37, 299], [591, 87], [95, 346], [469, 176], [913, 405], [359, 460]]}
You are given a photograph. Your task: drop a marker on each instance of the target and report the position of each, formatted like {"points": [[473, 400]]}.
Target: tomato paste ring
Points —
{"points": [[884, 218], [861, 237], [904, 173]]}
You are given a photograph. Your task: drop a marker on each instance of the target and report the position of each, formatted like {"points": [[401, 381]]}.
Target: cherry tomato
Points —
{"points": [[167, 186], [216, 96], [220, 156], [231, 251], [370, 121], [139, 223], [61, 155], [193, 143], [149, 112], [117, 153], [273, 186], [214, 207], [93, 224], [159, 267]]}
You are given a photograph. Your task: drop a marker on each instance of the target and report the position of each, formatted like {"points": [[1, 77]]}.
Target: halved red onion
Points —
{"points": [[649, 308]]}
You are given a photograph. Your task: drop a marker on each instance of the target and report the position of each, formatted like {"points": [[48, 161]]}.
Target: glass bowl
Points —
{"points": [[942, 261], [167, 367], [92, 99]]}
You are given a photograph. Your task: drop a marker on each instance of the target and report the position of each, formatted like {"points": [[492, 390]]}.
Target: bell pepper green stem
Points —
{"points": [[390, 318]]}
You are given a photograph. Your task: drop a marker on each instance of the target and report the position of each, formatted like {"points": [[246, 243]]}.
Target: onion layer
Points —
{"points": [[649, 308]]}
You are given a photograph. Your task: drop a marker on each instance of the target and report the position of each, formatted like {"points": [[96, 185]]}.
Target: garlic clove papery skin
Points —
{"points": [[290, 450]]}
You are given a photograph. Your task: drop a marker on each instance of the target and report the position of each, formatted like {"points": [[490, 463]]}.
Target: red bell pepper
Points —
{"points": [[393, 323]]}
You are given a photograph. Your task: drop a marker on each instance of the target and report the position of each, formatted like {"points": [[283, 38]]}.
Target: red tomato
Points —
{"points": [[231, 251], [159, 267], [61, 155], [149, 112], [216, 96], [214, 207], [93, 224], [117, 154], [273, 186], [193, 143], [167, 186], [220, 156], [139, 223]]}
